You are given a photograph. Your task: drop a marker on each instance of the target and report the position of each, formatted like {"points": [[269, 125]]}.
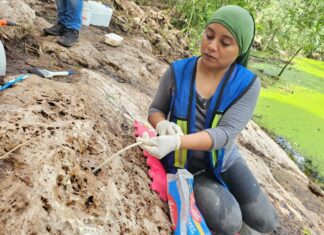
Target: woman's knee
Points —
{"points": [[260, 215], [264, 224], [217, 205], [257, 210]]}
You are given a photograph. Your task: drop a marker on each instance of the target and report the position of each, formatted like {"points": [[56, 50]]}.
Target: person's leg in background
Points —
{"points": [[257, 211], [72, 22], [73, 17], [62, 11], [217, 205], [62, 19]]}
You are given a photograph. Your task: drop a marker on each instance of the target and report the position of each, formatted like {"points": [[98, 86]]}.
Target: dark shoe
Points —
{"points": [[69, 37], [56, 30]]}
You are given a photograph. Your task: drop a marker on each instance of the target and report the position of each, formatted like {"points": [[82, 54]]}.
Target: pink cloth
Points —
{"points": [[157, 171]]}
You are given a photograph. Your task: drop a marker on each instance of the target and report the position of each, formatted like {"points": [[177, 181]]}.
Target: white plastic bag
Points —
{"points": [[185, 216]]}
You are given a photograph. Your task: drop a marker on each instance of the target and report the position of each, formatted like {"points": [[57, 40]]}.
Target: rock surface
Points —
{"points": [[75, 123]]}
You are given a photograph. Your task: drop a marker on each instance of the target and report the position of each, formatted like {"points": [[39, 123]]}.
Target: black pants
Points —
{"points": [[224, 210]]}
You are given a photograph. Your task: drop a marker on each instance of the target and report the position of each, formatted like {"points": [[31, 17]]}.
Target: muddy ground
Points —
{"points": [[69, 125]]}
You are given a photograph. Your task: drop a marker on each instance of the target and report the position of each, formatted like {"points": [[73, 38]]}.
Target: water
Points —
{"points": [[285, 145]]}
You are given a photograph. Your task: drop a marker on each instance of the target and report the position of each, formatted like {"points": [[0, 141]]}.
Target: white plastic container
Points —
{"points": [[86, 16], [100, 14], [3, 63]]}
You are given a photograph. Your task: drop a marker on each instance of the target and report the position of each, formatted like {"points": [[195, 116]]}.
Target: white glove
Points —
{"points": [[159, 146], [168, 128]]}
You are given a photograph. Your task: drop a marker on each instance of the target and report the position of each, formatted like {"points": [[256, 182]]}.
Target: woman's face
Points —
{"points": [[218, 47]]}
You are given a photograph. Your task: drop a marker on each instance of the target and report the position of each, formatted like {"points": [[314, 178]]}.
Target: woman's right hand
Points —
{"points": [[165, 127], [159, 146]]}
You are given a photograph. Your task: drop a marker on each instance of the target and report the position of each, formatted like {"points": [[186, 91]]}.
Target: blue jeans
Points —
{"points": [[70, 13]]}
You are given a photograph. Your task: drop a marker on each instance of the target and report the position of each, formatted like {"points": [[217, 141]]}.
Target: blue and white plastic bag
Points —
{"points": [[185, 216]]}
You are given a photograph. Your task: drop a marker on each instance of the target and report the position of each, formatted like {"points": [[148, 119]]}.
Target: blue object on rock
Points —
{"points": [[12, 82]]}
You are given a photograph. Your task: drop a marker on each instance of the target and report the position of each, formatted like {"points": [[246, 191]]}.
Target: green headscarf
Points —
{"points": [[240, 23]]}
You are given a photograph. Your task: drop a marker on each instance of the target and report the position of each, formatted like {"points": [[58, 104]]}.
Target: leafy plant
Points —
{"points": [[281, 26], [306, 232]]}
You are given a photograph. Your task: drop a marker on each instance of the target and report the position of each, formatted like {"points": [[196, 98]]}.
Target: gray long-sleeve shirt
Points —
{"points": [[230, 125]]}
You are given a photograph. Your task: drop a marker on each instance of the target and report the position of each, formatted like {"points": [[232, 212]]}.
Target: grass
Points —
{"points": [[292, 106]]}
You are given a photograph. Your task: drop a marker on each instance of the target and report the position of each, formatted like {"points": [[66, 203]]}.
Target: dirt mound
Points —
{"points": [[75, 123]]}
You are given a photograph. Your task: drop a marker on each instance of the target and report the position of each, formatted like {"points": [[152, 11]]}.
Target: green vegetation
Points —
{"points": [[296, 117], [290, 26], [292, 107], [304, 72], [315, 68], [306, 232]]}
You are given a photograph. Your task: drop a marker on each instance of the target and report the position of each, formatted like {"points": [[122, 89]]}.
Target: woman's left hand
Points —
{"points": [[159, 146], [165, 127]]}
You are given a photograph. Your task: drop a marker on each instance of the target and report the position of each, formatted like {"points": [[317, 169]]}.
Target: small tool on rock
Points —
{"points": [[12, 82], [4, 22], [49, 74]]}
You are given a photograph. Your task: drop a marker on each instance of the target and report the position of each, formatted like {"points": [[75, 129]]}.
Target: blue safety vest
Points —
{"points": [[234, 84]]}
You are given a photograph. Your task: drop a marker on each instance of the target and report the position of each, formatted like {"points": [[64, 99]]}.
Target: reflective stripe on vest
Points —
{"points": [[181, 155], [214, 152]]}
